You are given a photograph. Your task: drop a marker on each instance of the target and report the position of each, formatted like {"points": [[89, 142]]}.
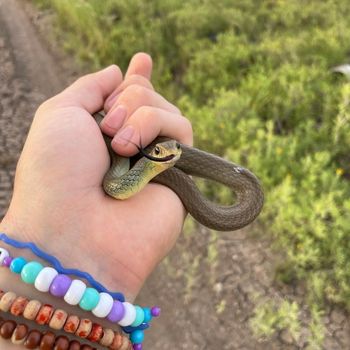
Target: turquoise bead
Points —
{"points": [[31, 271], [147, 314], [140, 316], [90, 299], [137, 337], [17, 264]]}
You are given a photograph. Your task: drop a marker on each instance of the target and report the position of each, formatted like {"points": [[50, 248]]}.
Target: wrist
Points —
{"points": [[71, 251]]}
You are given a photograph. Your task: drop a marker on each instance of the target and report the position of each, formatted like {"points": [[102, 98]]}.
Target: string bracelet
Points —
{"points": [[20, 334], [59, 320]]}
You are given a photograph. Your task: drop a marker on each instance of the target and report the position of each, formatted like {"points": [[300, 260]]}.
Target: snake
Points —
{"points": [[167, 162]]}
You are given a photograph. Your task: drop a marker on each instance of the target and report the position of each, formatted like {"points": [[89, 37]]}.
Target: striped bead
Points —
{"points": [[44, 279], [96, 333], [20, 334]]}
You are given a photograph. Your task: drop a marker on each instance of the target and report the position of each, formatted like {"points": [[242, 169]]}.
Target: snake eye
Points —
{"points": [[156, 150], [178, 145]]}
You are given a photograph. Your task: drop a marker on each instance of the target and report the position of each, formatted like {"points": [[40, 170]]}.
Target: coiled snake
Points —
{"points": [[168, 163]]}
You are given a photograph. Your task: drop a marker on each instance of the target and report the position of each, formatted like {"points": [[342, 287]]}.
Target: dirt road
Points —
{"points": [[206, 286]]}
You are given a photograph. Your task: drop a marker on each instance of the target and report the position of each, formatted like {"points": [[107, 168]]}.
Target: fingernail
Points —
{"points": [[116, 117], [124, 136]]}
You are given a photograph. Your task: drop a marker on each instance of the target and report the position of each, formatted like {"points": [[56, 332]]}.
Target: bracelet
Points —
{"points": [[57, 265], [33, 339], [133, 319], [58, 319]]}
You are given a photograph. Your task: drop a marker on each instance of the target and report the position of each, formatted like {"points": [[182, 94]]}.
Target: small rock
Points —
{"points": [[286, 337], [338, 316]]}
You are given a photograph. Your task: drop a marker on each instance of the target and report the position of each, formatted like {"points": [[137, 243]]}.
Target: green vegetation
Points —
{"points": [[254, 78]]}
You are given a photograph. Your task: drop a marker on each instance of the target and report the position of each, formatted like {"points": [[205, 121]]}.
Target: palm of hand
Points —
{"points": [[61, 171]]}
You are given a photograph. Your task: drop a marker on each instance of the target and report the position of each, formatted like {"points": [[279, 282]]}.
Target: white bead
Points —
{"points": [[3, 254], [129, 316], [75, 292], [44, 279], [104, 306]]}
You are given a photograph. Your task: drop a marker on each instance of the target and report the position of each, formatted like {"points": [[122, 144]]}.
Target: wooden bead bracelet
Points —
{"points": [[20, 334], [58, 319]]}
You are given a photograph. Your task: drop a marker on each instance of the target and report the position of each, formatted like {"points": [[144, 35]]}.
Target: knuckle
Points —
{"points": [[136, 79], [145, 112], [135, 91]]}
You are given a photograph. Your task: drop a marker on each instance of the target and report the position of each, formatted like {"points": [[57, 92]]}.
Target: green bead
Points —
{"points": [[140, 316], [90, 299], [137, 337], [17, 264], [30, 272]]}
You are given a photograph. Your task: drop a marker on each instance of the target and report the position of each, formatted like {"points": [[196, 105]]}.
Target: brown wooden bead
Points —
{"points": [[96, 333], [107, 337], [19, 335], [86, 347], [47, 341], [33, 339], [32, 309], [58, 319], [7, 329], [74, 345], [18, 306], [117, 342], [44, 314], [84, 328], [72, 324], [62, 343], [7, 300]]}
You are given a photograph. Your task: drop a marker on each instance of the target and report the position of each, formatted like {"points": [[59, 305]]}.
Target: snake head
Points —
{"points": [[167, 152]]}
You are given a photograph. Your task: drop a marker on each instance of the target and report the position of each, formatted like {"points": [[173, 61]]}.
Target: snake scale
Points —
{"points": [[179, 162]]}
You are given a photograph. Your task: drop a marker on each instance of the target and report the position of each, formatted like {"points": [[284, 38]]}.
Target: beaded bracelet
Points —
{"points": [[58, 319], [35, 339], [58, 266], [133, 319]]}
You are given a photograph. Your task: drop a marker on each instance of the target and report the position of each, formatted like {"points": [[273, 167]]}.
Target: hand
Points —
{"points": [[58, 201]]}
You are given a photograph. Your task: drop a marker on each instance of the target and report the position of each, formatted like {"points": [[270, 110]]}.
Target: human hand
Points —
{"points": [[58, 201]]}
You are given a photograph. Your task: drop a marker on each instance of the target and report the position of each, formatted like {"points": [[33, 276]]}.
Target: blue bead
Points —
{"points": [[148, 315], [90, 299], [140, 316], [137, 337], [17, 264], [31, 271]]}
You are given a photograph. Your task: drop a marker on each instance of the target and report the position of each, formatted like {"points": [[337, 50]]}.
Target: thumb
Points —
{"points": [[90, 91]]}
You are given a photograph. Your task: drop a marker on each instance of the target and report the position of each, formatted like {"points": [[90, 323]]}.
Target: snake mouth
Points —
{"points": [[158, 159]]}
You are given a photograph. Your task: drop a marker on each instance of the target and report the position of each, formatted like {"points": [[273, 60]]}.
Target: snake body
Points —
{"points": [[248, 192]]}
